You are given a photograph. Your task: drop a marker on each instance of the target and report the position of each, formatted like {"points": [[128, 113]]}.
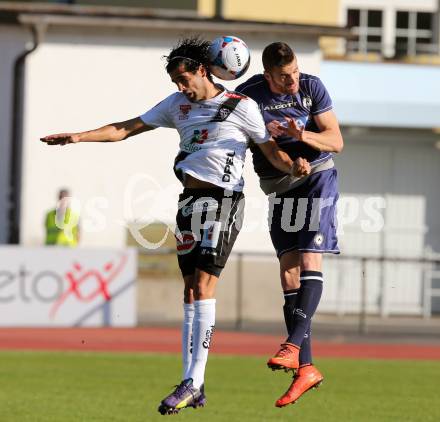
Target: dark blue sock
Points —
{"points": [[305, 353], [306, 304], [290, 297]]}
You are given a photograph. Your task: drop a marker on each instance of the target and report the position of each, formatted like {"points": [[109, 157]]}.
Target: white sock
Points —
{"points": [[203, 330], [187, 327]]}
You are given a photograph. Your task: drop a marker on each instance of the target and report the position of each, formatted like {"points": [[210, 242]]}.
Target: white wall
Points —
{"points": [[401, 171], [81, 79]]}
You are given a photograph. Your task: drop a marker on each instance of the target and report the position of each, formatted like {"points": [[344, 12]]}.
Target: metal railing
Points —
{"points": [[427, 269]]}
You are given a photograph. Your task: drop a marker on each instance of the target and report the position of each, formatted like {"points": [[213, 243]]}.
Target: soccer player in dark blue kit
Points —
{"points": [[297, 110]]}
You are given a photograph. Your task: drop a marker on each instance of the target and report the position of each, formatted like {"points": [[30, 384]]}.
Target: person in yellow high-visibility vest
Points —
{"points": [[62, 223]]}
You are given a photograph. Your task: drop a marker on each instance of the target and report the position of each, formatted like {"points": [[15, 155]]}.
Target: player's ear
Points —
{"points": [[267, 76], [202, 70]]}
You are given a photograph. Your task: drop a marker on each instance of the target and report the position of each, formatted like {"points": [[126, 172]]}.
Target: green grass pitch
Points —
{"points": [[92, 387]]}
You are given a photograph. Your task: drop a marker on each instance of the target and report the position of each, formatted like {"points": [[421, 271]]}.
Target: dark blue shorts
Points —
{"points": [[304, 218]]}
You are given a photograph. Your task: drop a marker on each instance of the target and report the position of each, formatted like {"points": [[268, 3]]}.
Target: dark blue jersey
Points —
{"points": [[311, 100]]}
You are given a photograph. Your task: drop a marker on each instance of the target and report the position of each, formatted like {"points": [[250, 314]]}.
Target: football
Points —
{"points": [[229, 56]]}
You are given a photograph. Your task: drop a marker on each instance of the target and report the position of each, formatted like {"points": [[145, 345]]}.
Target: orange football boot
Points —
{"points": [[307, 377], [286, 358]]}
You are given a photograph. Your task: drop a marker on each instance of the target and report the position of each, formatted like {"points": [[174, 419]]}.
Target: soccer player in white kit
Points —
{"points": [[215, 126]]}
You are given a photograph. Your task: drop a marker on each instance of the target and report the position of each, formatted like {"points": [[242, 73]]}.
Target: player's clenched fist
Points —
{"points": [[301, 167], [61, 139]]}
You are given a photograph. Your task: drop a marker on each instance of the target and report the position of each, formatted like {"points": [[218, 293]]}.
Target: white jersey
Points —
{"points": [[214, 134]]}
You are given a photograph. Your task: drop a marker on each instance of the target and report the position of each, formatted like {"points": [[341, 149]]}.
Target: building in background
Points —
{"points": [[383, 79], [77, 67], [393, 29]]}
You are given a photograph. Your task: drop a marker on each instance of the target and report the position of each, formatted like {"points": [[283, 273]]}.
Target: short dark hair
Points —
{"points": [[191, 52], [63, 192], [277, 54]]}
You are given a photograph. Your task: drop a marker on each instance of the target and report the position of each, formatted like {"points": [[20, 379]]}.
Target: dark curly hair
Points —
{"points": [[191, 52]]}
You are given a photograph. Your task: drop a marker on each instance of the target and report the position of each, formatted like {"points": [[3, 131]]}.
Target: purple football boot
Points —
{"points": [[185, 395]]}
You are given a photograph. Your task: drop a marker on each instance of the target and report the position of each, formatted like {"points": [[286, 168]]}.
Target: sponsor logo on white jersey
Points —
{"points": [[227, 169], [184, 111]]}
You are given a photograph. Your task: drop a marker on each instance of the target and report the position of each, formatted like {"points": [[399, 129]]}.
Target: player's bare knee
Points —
{"points": [[204, 291], [290, 270], [188, 295], [290, 278], [311, 261], [204, 285]]}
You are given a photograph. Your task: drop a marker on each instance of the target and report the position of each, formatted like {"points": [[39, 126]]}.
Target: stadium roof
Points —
{"points": [[76, 15]]}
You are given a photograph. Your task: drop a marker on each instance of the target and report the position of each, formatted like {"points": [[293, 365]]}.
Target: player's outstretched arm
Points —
{"points": [[279, 159], [109, 133]]}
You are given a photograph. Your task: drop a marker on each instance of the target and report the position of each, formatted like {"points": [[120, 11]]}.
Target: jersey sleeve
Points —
{"points": [[321, 100], [242, 88], [254, 123], [160, 115]]}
